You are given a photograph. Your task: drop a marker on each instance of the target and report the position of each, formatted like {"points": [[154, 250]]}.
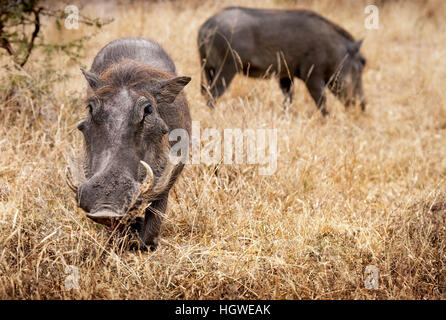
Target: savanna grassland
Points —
{"points": [[350, 191]]}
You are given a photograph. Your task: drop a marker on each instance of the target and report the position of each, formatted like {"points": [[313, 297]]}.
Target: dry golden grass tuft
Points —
{"points": [[350, 191]]}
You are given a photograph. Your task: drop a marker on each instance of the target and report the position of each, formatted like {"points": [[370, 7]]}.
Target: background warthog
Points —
{"points": [[134, 100], [288, 43]]}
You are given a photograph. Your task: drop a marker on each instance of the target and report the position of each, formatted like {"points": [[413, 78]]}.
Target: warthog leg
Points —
{"points": [[214, 85], [316, 87], [286, 84]]}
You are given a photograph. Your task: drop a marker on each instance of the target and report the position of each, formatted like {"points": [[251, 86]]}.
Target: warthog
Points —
{"points": [[287, 43], [134, 100]]}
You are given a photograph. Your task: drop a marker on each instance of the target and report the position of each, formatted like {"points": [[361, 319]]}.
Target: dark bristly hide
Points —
{"points": [[134, 100], [286, 43]]}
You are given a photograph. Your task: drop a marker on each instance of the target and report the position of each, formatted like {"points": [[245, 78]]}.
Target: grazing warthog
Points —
{"points": [[134, 100], [287, 43]]}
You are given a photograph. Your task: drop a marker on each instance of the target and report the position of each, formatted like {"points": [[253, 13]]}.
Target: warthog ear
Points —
{"points": [[169, 89], [93, 80], [355, 47]]}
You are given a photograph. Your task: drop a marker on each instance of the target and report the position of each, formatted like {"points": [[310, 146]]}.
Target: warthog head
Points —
{"points": [[347, 81], [123, 133]]}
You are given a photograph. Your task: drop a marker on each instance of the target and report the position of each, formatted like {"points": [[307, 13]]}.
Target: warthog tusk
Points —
{"points": [[147, 184], [69, 180]]}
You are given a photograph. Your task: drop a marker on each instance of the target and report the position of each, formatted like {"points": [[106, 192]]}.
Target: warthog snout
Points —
{"points": [[108, 196]]}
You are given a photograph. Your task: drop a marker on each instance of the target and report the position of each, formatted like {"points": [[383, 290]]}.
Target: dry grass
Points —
{"points": [[350, 191]]}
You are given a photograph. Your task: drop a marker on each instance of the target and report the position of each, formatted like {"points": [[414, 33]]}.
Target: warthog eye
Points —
{"points": [[90, 108], [363, 61], [147, 109]]}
